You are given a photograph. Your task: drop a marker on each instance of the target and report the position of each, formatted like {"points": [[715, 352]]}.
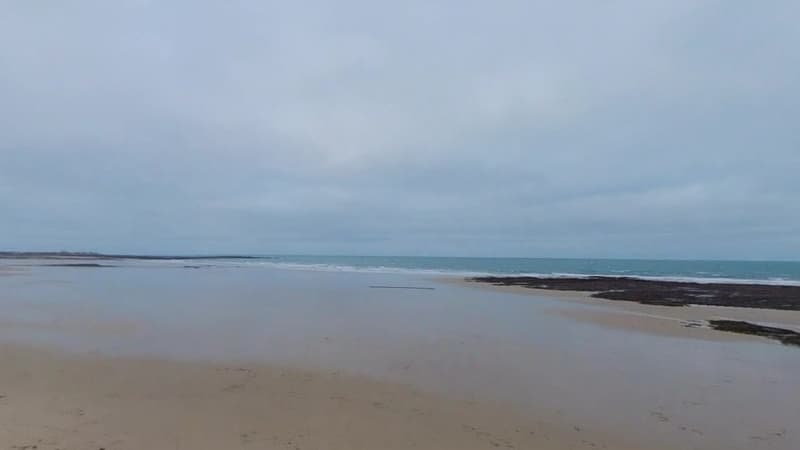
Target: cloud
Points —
{"points": [[619, 128]]}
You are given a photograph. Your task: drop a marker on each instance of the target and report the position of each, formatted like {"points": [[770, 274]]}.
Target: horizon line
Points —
{"points": [[223, 255]]}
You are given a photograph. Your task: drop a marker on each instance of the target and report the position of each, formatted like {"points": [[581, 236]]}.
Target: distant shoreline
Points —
{"points": [[111, 256]]}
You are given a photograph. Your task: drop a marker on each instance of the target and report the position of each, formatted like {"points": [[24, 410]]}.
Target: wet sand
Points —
{"points": [[8, 271], [662, 320], [154, 356], [662, 292], [55, 400]]}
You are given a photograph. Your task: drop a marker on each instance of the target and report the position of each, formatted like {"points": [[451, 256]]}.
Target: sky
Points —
{"points": [[657, 129]]}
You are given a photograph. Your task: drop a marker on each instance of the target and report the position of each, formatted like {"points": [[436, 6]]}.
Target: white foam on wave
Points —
{"points": [[725, 280], [321, 267], [327, 267], [675, 278]]}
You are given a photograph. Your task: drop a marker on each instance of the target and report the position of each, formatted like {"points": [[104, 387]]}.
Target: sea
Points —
{"points": [[767, 272], [700, 271]]}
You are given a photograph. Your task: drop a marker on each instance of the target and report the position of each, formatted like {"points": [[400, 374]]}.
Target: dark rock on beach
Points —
{"points": [[787, 337], [664, 293]]}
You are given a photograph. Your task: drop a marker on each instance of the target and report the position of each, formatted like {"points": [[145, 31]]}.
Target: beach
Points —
{"points": [[164, 356], [54, 400], [681, 320], [413, 225]]}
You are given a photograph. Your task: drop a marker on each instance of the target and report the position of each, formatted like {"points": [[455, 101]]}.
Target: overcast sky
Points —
{"points": [[659, 128]]}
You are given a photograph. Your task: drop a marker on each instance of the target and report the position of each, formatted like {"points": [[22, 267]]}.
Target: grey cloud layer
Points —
{"points": [[662, 128]]}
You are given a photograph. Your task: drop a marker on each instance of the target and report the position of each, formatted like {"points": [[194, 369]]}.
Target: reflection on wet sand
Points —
{"points": [[622, 386]]}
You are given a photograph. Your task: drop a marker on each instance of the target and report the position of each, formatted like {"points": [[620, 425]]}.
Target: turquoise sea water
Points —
{"points": [[777, 272], [770, 272]]}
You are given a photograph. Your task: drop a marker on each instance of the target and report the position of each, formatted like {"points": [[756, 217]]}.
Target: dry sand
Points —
{"points": [[51, 400]]}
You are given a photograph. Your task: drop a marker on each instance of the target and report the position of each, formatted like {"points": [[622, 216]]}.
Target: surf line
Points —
{"points": [[403, 287]]}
